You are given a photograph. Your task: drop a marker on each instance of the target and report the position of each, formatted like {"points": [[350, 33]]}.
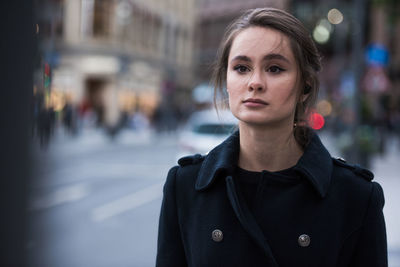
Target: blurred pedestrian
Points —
{"points": [[270, 195], [46, 124], [69, 118], [139, 121]]}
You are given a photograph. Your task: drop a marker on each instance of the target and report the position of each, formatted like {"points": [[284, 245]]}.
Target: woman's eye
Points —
{"points": [[275, 69], [241, 68]]}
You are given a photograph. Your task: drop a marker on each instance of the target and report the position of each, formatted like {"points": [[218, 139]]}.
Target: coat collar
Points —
{"points": [[315, 164]]}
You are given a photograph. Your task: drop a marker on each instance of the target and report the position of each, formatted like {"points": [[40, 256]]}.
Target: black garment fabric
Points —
{"points": [[256, 187], [336, 204]]}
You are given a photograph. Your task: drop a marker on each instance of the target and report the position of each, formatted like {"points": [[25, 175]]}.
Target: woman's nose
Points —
{"points": [[256, 83]]}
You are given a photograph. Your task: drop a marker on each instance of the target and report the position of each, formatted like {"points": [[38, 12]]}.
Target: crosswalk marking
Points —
{"points": [[127, 203], [61, 196]]}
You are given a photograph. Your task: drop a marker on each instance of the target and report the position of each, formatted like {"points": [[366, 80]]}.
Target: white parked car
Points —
{"points": [[205, 130]]}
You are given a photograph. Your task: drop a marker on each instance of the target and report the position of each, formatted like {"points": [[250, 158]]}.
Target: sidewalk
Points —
{"points": [[386, 170]]}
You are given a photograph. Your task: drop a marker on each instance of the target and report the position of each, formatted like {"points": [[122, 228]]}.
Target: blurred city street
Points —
{"points": [[96, 201]]}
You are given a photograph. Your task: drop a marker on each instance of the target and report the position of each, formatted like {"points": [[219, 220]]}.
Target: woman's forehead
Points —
{"points": [[261, 41]]}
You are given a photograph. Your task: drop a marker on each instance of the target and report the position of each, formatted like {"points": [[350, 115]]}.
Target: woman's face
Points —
{"points": [[262, 78]]}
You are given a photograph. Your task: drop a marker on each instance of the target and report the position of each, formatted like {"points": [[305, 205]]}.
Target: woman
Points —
{"points": [[270, 195]]}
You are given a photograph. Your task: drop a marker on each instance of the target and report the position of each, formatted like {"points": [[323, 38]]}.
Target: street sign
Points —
{"points": [[377, 55]]}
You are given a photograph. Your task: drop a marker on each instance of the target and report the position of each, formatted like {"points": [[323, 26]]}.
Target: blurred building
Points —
{"points": [[115, 56]]}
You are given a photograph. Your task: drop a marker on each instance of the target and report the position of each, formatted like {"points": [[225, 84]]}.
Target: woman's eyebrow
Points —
{"points": [[266, 57], [241, 58], [276, 56]]}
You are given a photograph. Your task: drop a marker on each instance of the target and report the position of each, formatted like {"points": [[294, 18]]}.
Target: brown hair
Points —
{"points": [[304, 50]]}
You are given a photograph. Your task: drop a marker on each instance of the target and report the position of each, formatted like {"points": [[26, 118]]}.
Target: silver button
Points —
{"points": [[217, 235], [304, 240]]}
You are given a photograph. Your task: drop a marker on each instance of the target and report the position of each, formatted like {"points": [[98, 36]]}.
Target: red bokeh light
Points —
{"points": [[316, 121]]}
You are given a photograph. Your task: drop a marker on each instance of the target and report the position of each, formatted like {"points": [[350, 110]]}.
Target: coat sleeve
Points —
{"points": [[170, 251], [371, 247]]}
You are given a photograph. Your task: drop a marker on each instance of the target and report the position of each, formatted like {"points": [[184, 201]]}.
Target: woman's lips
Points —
{"points": [[254, 102]]}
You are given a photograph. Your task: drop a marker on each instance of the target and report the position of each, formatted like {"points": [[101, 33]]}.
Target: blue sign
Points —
{"points": [[377, 54], [53, 58]]}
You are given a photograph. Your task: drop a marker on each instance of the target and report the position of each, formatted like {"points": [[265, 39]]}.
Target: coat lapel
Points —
{"points": [[247, 220], [219, 162]]}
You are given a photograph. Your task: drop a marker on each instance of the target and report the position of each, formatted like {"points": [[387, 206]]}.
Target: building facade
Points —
{"points": [[117, 56]]}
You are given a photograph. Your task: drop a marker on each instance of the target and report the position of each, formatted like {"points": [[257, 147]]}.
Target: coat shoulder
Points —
{"points": [[185, 174], [191, 160], [354, 168], [189, 167]]}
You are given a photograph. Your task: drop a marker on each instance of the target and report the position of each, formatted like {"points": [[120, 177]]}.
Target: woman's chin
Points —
{"points": [[255, 121], [263, 122]]}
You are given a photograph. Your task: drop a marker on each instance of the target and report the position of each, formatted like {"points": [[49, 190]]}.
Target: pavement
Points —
{"points": [[94, 201], [386, 170]]}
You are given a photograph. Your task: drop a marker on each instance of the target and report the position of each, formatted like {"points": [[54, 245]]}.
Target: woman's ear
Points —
{"points": [[307, 89], [306, 92]]}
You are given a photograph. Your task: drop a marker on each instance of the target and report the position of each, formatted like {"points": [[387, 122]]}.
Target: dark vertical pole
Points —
{"points": [[359, 10], [16, 48]]}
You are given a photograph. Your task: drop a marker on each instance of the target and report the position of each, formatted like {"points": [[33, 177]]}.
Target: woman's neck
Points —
{"points": [[267, 149]]}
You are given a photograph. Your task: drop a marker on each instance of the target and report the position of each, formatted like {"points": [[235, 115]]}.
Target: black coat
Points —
{"points": [[337, 207]]}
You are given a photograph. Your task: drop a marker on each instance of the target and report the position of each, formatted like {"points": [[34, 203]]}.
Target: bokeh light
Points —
{"points": [[324, 108], [321, 34], [335, 16], [316, 121], [322, 31]]}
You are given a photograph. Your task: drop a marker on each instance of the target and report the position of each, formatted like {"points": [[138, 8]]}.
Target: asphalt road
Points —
{"points": [[95, 202]]}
